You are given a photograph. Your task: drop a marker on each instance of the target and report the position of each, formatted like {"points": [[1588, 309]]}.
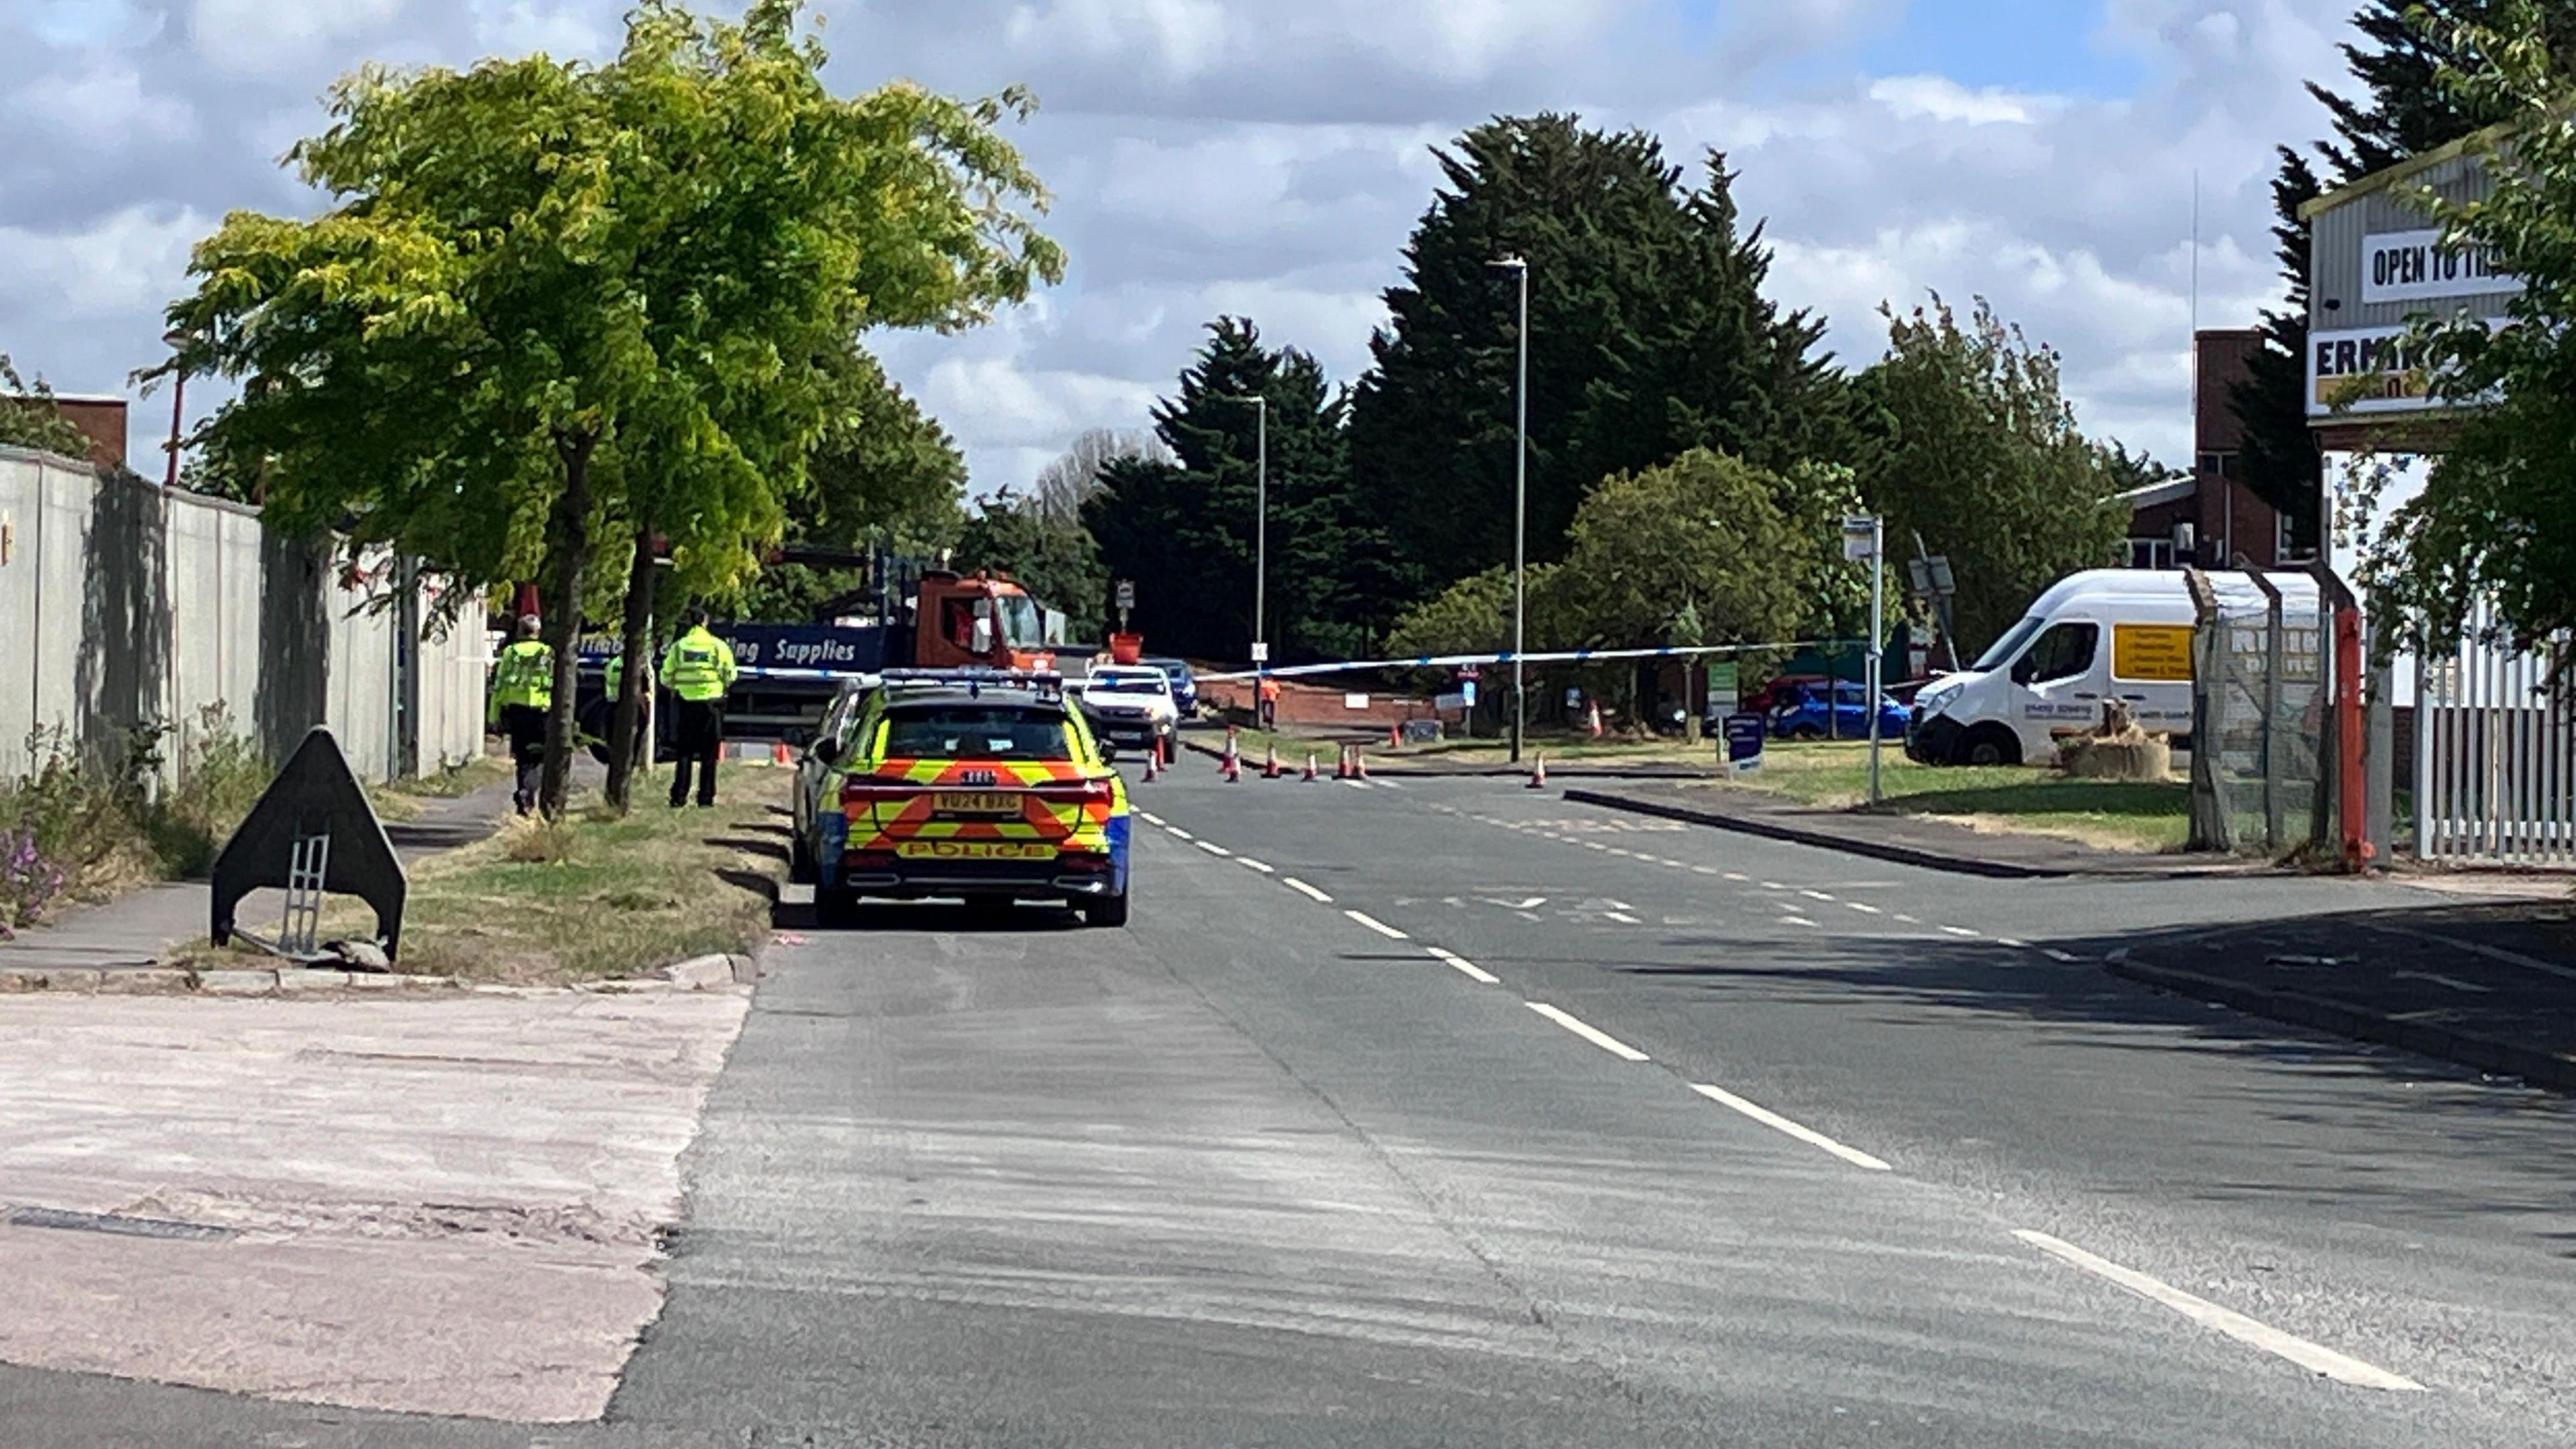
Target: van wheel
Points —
{"points": [[1807, 733], [1990, 745]]}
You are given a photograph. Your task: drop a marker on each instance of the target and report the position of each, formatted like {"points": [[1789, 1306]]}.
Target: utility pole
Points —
{"points": [[1520, 513]]}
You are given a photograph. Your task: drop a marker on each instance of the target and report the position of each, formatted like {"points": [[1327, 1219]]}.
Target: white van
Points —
{"points": [[2094, 637]]}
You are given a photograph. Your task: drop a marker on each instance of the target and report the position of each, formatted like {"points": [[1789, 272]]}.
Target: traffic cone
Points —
{"points": [[1359, 763], [1310, 767], [1538, 774], [1394, 735], [1592, 719], [780, 756], [1342, 764], [1154, 763], [1233, 767], [1270, 763]]}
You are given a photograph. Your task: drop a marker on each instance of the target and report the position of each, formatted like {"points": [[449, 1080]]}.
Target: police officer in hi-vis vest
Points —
{"points": [[699, 671], [523, 689]]}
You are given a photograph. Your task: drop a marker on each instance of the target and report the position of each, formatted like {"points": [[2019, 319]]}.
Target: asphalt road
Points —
{"points": [[1688, 1138]]}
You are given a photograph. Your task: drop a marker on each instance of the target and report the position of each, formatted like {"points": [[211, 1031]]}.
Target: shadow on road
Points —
{"points": [[889, 917]]}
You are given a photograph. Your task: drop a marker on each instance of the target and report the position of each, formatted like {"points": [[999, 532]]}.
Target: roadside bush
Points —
{"points": [[92, 823], [28, 881]]}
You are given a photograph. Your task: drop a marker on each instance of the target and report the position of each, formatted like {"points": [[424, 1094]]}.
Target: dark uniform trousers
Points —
{"points": [[526, 726], [698, 727]]}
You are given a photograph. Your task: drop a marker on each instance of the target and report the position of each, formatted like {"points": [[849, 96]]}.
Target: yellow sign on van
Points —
{"points": [[2155, 653]]}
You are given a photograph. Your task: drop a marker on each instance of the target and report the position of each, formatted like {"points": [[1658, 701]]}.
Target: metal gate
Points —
{"points": [[2495, 754]]}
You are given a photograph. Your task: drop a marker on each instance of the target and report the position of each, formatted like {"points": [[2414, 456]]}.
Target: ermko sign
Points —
{"points": [[2377, 265]]}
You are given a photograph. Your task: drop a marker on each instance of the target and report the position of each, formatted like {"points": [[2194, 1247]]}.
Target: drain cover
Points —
{"points": [[39, 1217]]}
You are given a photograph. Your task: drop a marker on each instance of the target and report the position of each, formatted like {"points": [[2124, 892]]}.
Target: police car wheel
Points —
{"points": [[1108, 911], [836, 910], [800, 863]]}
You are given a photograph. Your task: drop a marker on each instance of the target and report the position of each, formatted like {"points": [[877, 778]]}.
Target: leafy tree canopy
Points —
{"points": [[1977, 451], [1186, 530], [1649, 335], [552, 297]]}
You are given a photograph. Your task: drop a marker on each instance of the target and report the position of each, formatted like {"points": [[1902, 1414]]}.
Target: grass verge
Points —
{"points": [[590, 897], [594, 896], [2117, 815]]}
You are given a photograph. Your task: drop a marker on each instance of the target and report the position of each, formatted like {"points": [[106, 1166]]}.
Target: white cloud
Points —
{"points": [[122, 269], [268, 36], [1938, 98], [102, 107]]}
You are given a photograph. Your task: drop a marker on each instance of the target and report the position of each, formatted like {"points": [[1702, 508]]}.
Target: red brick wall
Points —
{"points": [[103, 419]]}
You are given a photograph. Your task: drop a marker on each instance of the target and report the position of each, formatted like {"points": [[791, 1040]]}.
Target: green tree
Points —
{"points": [[2496, 520], [1648, 336], [1185, 530], [29, 419], [554, 300], [1056, 561], [1696, 551], [1978, 451]]}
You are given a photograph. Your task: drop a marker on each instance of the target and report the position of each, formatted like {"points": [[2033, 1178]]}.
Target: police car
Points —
{"points": [[976, 784]]}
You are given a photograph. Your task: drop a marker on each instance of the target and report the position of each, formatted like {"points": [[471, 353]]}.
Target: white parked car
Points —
{"points": [[1130, 706]]}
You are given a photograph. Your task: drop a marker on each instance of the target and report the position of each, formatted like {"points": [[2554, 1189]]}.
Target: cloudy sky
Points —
{"points": [[1268, 157]]}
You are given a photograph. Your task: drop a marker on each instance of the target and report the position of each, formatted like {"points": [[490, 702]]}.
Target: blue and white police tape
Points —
{"points": [[1569, 656]]}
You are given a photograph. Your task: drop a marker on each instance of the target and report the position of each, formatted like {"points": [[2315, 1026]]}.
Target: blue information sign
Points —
{"points": [[1744, 738]]}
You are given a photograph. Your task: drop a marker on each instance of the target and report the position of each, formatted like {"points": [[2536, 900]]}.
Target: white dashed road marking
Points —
{"points": [[1357, 784], [1795, 921], [1150, 817], [1958, 930], [1374, 924], [1216, 850], [1863, 907], [2053, 954], [1589, 1032], [1303, 889], [1776, 1122], [2315, 1358], [1816, 895], [1622, 917], [1248, 863], [1179, 834], [1465, 967]]}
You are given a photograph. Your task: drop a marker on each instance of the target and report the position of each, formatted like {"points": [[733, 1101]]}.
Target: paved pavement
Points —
{"points": [[445, 1204], [1444, 1112]]}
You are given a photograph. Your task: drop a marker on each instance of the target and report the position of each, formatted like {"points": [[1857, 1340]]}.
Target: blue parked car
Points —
{"points": [[1185, 688], [1803, 717]]}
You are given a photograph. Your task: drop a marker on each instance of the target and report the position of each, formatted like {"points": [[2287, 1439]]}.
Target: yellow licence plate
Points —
{"points": [[976, 802]]}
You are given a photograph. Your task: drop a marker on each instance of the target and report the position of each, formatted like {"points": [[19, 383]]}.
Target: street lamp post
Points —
{"points": [[1519, 266]]}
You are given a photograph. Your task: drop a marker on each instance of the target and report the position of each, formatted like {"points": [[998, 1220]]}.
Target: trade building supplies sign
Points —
{"points": [[2414, 266], [2364, 370]]}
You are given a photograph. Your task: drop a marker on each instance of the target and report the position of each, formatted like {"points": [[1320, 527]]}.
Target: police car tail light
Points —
{"points": [[1085, 861], [1077, 792], [870, 793]]}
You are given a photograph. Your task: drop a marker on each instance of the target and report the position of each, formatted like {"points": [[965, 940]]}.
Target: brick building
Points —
{"points": [[2208, 516], [101, 417]]}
